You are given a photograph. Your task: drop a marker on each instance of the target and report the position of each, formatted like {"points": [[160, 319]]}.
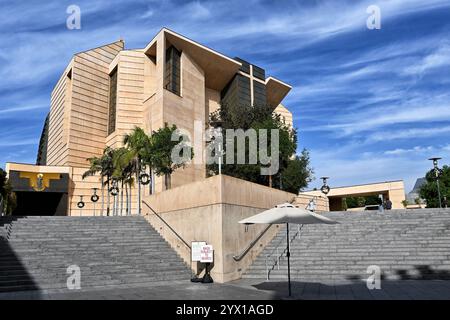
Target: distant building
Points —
{"points": [[415, 192], [392, 190]]}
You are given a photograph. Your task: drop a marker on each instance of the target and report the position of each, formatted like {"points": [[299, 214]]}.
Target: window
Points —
{"points": [[259, 94], [112, 101], [172, 76]]}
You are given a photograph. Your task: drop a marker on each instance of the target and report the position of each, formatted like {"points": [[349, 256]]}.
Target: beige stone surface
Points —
{"points": [[209, 210], [322, 204], [80, 101], [79, 107], [286, 115]]}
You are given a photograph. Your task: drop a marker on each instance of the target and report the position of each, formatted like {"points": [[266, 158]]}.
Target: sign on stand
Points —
{"points": [[207, 254], [197, 250]]}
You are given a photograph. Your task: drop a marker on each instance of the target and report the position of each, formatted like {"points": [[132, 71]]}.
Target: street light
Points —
{"points": [[437, 174], [80, 205], [325, 188], [94, 198], [217, 141], [114, 190]]}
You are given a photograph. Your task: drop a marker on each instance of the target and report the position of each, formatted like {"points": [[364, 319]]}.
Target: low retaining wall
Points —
{"points": [[209, 210], [322, 204]]}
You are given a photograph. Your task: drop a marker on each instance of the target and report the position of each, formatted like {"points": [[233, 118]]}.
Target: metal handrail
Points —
{"points": [[165, 222], [276, 262], [247, 249]]}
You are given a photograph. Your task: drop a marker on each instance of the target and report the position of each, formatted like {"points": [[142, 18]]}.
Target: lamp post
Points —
{"points": [[94, 198], [217, 141], [325, 187], [114, 190], [80, 205], [437, 174]]}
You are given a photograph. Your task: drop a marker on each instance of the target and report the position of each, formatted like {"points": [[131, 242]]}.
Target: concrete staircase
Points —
{"points": [[35, 253], [413, 244]]}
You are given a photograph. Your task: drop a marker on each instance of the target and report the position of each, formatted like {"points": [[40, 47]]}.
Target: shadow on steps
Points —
{"points": [[13, 273]]}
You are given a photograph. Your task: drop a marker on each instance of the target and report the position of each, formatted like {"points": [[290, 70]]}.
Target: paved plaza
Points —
{"points": [[252, 290]]}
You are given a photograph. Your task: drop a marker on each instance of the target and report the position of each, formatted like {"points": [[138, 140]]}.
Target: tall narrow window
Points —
{"points": [[112, 101], [172, 74]]}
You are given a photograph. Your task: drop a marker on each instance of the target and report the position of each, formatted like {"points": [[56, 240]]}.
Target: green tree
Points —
{"points": [[296, 175], [372, 200], [8, 200], [294, 172], [137, 142], [429, 191], [160, 149], [355, 202], [405, 203], [358, 202], [344, 204]]}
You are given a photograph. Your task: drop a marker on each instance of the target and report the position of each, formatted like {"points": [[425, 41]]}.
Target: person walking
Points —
{"points": [[388, 204]]}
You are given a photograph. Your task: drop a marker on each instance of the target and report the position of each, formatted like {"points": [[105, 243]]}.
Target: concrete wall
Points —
{"points": [[183, 111], [130, 94], [209, 210], [57, 151], [90, 103]]}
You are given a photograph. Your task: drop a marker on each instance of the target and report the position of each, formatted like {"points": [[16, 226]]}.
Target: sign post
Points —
{"points": [[207, 257], [196, 248]]}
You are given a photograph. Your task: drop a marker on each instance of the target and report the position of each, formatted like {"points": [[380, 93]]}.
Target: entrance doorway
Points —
{"points": [[41, 204]]}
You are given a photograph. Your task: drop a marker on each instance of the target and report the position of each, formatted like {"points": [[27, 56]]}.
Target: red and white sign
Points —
{"points": [[207, 254]]}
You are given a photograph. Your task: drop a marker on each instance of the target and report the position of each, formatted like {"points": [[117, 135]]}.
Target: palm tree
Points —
{"points": [[95, 166], [107, 171], [123, 170], [104, 166], [129, 181], [137, 143]]}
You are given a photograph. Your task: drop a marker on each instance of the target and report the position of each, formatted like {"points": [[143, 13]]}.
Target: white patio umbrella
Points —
{"points": [[287, 213]]}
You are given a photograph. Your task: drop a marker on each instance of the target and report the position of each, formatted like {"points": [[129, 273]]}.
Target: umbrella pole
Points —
{"points": [[288, 254]]}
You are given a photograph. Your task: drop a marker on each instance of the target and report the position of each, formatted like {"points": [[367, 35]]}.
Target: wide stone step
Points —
{"points": [[398, 241], [35, 252]]}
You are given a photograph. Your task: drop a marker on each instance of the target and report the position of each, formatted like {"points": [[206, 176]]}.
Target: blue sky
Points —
{"points": [[370, 105]]}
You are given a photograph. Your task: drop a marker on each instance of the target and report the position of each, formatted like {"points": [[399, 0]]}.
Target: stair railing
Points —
{"points": [[168, 226], [250, 246], [277, 261]]}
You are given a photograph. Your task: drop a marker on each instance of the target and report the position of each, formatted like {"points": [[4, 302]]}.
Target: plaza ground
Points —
{"points": [[251, 290]]}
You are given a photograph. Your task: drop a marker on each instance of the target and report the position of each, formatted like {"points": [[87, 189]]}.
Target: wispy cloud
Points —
{"points": [[368, 104], [410, 133], [15, 143], [440, 58], [21, 109], [416, 149]]}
